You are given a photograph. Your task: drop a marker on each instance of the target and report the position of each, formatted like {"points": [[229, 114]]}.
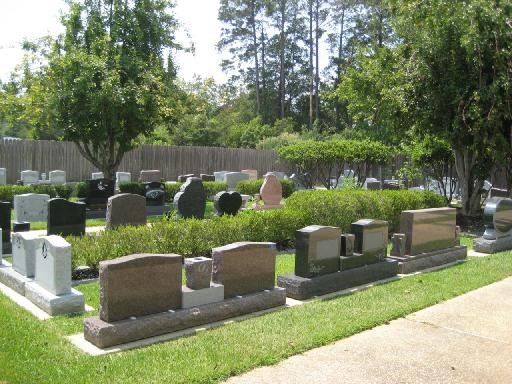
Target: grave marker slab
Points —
{"points": [[183, 178], [244, 267], [154, 193], [3, 176], [147, 176], [347, 244], [123, 177], [371, 237], [317, 250], [228, 203], [24, 245], [206, 177], [498, 226], [139, 285], [253, 173], [190, 201], [65, 218], [31, 207], [126, 209], [232, 179], [57, 177], [99, 191], [5, 221], [29, 177], [398, 244], [220, 175], [198, 272], [97, 175], [20, 226]]}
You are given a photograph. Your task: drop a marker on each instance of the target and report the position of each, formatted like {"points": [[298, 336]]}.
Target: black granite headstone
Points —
{"points": [[498, 192], [206, 177], [497, 218], [227, 203], [391, 185], [65, 218], [155, 193], [190, 201], [5, 221], [21, 226], [99, 191], [183, 178]]}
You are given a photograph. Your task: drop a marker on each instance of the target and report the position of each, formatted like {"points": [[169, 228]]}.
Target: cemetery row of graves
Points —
{"points": [[340, 240]]}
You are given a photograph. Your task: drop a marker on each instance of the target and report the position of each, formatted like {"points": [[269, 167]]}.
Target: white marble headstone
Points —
{"points": [[3, 176], [123, 177], [29, 177], [24, 245], [57, 177], [232, 178], [31, 207], [53, 265], [97, 175], [220, 175]]}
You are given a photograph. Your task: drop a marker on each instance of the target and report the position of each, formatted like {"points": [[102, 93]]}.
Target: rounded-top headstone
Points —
{"points": [[190, 201], [497, 218], [228, 203], [271, 191]]}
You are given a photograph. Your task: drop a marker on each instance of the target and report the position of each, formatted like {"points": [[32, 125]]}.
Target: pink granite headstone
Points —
{"points": [[271, 192]]}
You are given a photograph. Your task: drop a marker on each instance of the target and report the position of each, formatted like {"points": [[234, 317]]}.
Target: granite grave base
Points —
{"points": [[72, 302], [152, 210], [492, 246], [104, 335], [410, 264], [12, 279], [302, 288]]}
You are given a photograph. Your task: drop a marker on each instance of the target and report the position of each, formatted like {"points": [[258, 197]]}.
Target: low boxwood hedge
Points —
{"points": [[7, 192], [252, 187], [192, 237]]}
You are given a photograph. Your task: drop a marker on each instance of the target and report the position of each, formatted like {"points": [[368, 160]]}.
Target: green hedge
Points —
{"points": [[192, 237], [252, 187], [132, 187], [210, 188], [7, 192]]}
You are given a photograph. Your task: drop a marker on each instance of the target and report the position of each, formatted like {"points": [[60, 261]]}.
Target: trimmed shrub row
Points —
{"points": [[171, 189], [193, 237], [7, 192], [252, 187]]}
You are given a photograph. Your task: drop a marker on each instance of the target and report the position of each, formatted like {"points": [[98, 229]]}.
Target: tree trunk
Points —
{"points": [[311, 79], [281, 59], [317, 65], [256, 63], [338, 105], [465, 160]]}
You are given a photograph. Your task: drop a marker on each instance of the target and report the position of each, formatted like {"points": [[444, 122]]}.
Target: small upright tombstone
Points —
{"points": [[206, 177], [253, 173], [278, 174], [99, 191], [220, 176], [97, 175], [29, 177], [183, 178], [228, 203], [271, 192], [5, 225], [123, 177], [24, 253], [65, 218], [57, 177], [31, 207], [154, 193], [199, 289], [232, 179], [147, 176], [190, 201], [391, 185], [51, 289], [371, 184], [3, 176], [126, 209], [371, 237], [498, 226], [317, 250], [347, 244]]}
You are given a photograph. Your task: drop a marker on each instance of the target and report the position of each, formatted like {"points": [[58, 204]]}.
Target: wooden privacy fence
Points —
{"points": [[46, 156]]}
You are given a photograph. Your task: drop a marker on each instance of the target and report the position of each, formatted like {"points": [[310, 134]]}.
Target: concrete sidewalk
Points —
{"points": [[465, 340]]}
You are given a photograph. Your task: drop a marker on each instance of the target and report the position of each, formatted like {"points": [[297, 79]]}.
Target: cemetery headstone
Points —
{"points": [[65, 218], [220, 175], [123, 177], [244, 267], [198, 272], [5, 224], [348, 173], [57, 177], [183, 178], [190, 201], [31, 207], [298, 181], [398, 244], [3, 176], [206, 177], [29, 177], [147, 176], [139, 285], [97, 175], [99, 191], [317, 250], [24, 245], [347, 244], [499, 192], [232, 179], [154, 193], [227, 203], [253, 173], [20, 226], [126, 209], [278, 174], [271, 192], [371, 185], [498, 226], [371, 237], [391, 185]]}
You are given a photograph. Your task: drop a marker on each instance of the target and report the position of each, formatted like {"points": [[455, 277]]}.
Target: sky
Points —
{"points": [[31, 19]]}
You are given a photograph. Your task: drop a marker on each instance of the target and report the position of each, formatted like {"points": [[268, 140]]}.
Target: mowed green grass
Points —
{"points": [[34, 351]]}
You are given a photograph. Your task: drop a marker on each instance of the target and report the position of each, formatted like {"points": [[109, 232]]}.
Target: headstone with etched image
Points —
{"points": [[154, 193], [190, 201], [99, 191]]}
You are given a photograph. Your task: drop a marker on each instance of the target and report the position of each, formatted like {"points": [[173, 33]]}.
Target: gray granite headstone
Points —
{"points": [[31, 207], [232, 179], [126, 209], [57, 177], [190, 201], [198, 272], [220, 175], [371, 237], [147, 176]]}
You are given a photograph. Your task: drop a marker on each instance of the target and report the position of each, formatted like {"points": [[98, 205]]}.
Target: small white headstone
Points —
{"points": [[3, 176], [123, 177], [29, 177], [220, 175], [24, 245], [57, 177], [97, 175], [31, 207], [232, 178], [53, 265]]}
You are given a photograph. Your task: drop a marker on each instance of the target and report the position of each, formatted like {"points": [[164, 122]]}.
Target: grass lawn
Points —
{"points": [[36, 352]]}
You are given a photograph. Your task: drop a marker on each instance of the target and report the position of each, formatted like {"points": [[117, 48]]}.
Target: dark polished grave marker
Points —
{"points": [[227, 203], [190, 201], [155, 193], [65, 218]]}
